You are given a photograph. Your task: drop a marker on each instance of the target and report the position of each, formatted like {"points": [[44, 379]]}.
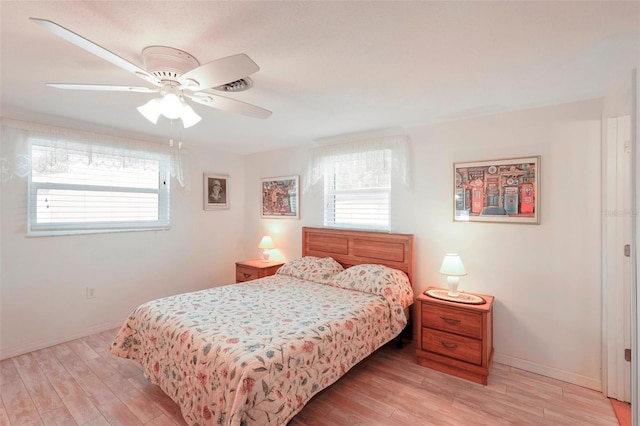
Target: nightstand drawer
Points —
{"points": [[246, 274], [456, 338], [253, 269], [452, 346], [452, 320]]}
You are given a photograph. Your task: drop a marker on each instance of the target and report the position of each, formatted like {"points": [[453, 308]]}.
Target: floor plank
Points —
{"points": [[134, 399], [81, 383], [40, 390], [74, 365], [58, 416], [4, 419], [161, 420], [83, 350], [111, 407], [18, 404], [72, 395]]}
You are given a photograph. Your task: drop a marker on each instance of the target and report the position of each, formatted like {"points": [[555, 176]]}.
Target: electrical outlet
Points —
{"points": [[91, 292]]}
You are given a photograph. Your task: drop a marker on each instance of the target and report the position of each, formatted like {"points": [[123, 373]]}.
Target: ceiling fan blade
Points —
{"points": [[103, 87], [97, 50], [227, 104], [219, 72]]}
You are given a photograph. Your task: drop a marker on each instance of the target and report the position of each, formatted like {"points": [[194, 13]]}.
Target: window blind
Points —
{"points": [[96, 190], [357, 190]]}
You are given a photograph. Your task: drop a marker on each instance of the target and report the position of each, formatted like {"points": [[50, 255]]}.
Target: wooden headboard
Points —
{"points": [[356, 247]]}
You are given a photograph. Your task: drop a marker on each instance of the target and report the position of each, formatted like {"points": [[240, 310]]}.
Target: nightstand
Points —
{"points": [[253, 269], [456, 338]]}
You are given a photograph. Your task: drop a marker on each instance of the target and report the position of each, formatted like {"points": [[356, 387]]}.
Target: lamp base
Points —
{"points": [[452, 282], [266, 255]]}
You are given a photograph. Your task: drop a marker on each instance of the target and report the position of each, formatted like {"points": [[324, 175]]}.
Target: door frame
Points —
{"points": [[619, 274], [616, 270], [635, 245]]}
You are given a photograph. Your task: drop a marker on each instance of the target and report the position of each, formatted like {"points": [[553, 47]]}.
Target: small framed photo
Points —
{"points": [[216, 191], [506, 191], [280, 198]]}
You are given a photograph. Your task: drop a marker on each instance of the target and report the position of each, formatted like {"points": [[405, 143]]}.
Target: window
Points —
{"points": [[357, 190], [357, 176], [91, 188]]}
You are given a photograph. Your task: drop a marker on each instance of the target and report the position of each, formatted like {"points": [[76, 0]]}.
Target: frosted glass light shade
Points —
{"points": [[452, 267], [266, 243], [171, 106], [189, 117], [151, 110]]}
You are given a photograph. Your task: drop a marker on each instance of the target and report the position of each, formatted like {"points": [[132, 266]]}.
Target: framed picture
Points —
{"points": [[215, 191], [280, 197], [506, 190]]}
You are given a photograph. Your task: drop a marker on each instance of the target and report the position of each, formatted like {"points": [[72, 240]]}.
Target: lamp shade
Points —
{"points": [[171, 106], [266, 243], [151, 110], [452, 265], [189, 117]]}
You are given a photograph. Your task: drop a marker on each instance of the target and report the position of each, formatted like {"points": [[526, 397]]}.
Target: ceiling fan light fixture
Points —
{"points": [[171, 106], [189, 117], [151, 110]]}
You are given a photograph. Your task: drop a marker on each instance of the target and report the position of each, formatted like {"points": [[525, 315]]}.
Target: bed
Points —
{"points": [[255, 353]]}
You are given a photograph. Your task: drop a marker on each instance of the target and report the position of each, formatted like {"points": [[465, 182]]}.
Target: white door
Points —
{"points": [[617, 222]]}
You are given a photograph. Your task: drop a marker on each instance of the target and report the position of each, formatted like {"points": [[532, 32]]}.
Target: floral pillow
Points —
{"points": [[391, 283], [311, 268]]}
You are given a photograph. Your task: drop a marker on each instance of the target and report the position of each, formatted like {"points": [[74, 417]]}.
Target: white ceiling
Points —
{"points": [[327, 68]]}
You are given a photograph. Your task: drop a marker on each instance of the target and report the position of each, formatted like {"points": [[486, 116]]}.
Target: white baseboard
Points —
{"points": [[554, 373], [23, 348]]}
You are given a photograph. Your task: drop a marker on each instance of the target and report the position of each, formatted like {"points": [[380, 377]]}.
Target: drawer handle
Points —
{"points": [[246, 275], [450, 321], [448, 345]]}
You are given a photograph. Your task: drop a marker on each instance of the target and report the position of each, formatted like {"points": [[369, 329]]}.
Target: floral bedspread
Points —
{"points": [[254, 353]]}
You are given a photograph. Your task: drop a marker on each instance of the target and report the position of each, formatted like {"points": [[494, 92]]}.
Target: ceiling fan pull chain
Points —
{"points": [[171, 134]]}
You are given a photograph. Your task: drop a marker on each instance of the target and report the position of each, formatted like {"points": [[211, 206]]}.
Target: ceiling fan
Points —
{"points": [[176, 75]]}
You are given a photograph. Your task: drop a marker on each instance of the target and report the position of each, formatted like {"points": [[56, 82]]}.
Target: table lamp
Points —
{"points": [[266, 243], [452, 267]]}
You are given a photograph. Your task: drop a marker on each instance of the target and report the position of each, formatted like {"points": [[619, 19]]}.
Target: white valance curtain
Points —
{"points": [[321, 159], [72, 147]]}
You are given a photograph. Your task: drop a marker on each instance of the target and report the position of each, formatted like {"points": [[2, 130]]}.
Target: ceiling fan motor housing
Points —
{"points": [[168, 63]]}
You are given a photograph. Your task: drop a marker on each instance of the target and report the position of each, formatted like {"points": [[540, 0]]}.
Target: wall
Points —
{"points": [[286, 233], [44, 279], [546, 278]]}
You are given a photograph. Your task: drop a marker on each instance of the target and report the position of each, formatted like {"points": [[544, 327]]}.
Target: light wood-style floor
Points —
{"points": [[81, 383]]}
